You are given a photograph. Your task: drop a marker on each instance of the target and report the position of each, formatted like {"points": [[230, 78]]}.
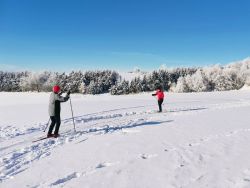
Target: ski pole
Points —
{"points": [[46, 126], [72, 114]]}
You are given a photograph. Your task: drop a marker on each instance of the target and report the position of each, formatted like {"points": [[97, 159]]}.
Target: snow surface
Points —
{"points": [[245, 87], [200, 140]]}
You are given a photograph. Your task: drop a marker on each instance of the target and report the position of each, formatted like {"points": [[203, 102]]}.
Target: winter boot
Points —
{"points": [[56, 135], [50, 135]]}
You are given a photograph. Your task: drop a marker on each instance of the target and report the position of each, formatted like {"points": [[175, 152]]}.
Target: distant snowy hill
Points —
{"points": [[132, 74]]}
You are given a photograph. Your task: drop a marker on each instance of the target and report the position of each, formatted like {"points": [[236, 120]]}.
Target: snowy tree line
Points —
{"points": [[150, 81], [90, 82], [214, 78], [11, 81]]}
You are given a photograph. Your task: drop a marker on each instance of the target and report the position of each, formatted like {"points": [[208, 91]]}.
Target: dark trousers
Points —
{"points": [[55, 120], [159, 104]]}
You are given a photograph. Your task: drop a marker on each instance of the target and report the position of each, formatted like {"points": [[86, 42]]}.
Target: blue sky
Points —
{"points": [[63, 35]]}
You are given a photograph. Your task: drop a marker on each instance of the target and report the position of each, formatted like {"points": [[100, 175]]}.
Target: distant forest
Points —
{"points": [[212, 78]]}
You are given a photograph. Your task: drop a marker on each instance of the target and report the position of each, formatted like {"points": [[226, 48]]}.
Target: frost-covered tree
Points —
{"points": [[74, 81], [175, 74], [223, 82], [228, 80], [10, 81], [56, 79], [94, 88], [244, 70], [164, 78], [83, 88], [102, 79], [211, 73], [235, 77], [181, 86], [198, 81], [135, 85], [34, 81], [120, 88], [144, 84]]}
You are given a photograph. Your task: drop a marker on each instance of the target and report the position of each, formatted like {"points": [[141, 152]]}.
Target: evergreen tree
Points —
{"points": [[120, 88]]}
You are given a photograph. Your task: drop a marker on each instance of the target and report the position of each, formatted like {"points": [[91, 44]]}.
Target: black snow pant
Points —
{"points": [[160, 101], [55, 120]]}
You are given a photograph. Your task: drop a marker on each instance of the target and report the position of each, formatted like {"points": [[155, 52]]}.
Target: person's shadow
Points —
{"points": [[109, 129]]}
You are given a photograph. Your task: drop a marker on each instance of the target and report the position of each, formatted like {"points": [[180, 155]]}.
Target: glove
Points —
{"points": [[68, 93]]}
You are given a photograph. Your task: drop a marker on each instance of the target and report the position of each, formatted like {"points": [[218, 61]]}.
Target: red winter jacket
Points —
{"points": [[159, 94]]}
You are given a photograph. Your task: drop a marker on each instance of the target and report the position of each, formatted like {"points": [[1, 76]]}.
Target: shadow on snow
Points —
{"points": [[109, 129]]}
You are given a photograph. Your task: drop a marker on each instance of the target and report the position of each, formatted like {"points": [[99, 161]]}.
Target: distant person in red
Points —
{"points": [[160, 96]]}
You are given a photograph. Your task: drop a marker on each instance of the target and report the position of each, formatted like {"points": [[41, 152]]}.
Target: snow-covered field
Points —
{"points": [[201, 140]]}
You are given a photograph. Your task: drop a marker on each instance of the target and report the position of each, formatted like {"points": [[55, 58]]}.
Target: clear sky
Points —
{"points": [[63, 35]]}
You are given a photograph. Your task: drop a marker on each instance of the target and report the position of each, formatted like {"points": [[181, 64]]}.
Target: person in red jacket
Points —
{"points": [[160, 96]]}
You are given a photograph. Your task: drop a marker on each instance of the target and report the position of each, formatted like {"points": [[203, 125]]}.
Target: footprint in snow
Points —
{"points": [[148, 156], [247, 175], [67, 178], [105, 164]]}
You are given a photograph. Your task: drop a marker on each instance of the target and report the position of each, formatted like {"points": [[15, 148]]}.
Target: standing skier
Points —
{"points": [[55, 109], [160, 96]]}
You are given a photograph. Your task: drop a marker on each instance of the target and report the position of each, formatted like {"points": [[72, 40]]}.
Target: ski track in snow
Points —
{"points": [[8, 132], [19, 159], [184, 157]]}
